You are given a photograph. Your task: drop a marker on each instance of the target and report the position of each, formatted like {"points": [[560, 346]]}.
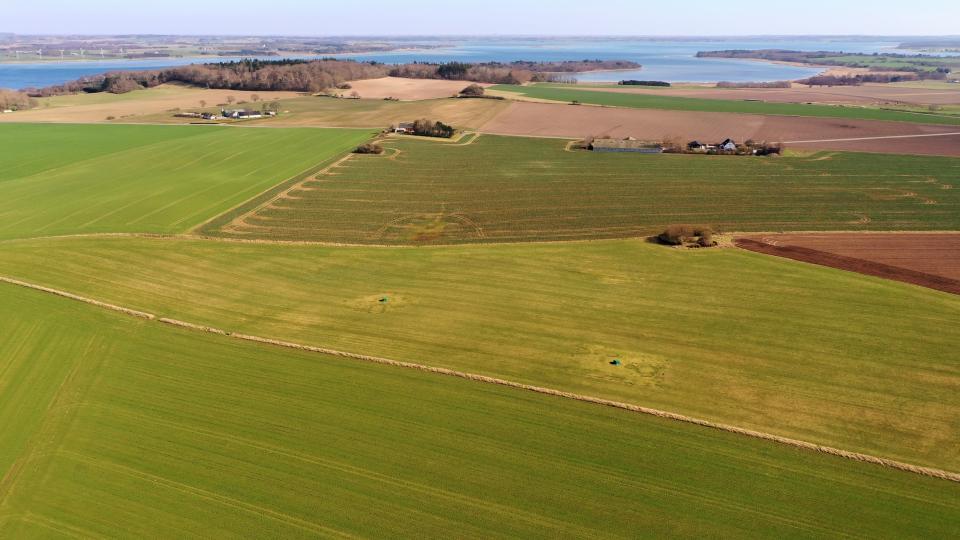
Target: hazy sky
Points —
{"points": [[476, 17]]}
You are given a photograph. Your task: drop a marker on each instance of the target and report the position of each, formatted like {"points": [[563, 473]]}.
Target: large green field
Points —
{"points": [[112, 426], [520, 189], [804, 351], [129, 428], [68, 179], [673, 103]]}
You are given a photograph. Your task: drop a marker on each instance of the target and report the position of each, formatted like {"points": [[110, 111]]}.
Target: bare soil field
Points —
{"points": [[869, 94], [927, 259], [407, 89], [560, 120], [935, 146], [86, 108]]}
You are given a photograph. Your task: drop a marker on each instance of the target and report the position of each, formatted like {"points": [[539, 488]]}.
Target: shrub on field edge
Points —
{"points": [[369, 148], [678, 235], [474, 90]]}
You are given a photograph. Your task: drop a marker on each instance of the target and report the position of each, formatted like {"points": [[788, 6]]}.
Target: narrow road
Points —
{"points": [[877, 138]]}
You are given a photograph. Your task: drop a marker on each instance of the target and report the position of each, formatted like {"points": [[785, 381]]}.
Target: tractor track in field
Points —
{"points": [[796, 443], [236, 224]]}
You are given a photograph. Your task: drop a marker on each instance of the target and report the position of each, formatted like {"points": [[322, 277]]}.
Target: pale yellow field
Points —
{"points": [[407, 89], [330, 112]]}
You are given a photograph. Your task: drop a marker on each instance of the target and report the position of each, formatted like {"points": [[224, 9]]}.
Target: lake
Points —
{"points": [[670, 60]]}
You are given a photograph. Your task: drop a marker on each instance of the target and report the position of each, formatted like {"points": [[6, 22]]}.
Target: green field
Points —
{"points": [[112, 426], [672, 103], [69, 179], [799, 350], [135, 429], [518, 189]]}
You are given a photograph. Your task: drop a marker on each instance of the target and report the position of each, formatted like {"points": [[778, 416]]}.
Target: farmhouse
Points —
{"points": [[625, 145], [241, 114], [728, 145], [404, 127], [696, 146]]}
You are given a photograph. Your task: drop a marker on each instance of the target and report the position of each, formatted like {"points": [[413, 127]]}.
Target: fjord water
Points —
{"points": [[671, 60]]}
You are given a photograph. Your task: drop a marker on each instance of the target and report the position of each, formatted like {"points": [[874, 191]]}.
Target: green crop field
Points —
{"points": [[129, 428], [113, 426], [672, 103], [520, 189], [804, 351], [68, 179]]}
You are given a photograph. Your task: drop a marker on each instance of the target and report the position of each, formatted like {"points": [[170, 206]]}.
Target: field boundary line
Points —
{"points": [[855, 456], [487, 242], [878, 138], [84, 299], [787, 441]]}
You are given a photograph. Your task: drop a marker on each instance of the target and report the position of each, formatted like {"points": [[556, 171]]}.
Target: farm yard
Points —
{"points": [[725, 334], [122, 423], [505, 189], [138, 106], [69, 179], [556, 120], [930, 260]]}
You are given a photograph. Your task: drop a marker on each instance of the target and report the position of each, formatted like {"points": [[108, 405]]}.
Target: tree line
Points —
{"points": [[314, 76]]}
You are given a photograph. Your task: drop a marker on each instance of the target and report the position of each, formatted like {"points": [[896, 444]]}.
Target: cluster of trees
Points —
{"points": [[924, 67], [857, 80], [11, 100], [318, 75], [773, 84], [429, 128], [250, 75], [631, 82], [692, 235], [474, 90], [369, 148], [457, 71], [507, 72], [561, 78]]}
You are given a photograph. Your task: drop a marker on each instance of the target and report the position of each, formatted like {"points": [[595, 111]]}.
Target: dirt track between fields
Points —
{"points": [[928, 260], [561, 120]]}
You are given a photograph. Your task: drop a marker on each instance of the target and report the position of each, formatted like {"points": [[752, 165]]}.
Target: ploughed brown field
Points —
{"points": [[869, 94], [561, 120], [926, 259]]}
